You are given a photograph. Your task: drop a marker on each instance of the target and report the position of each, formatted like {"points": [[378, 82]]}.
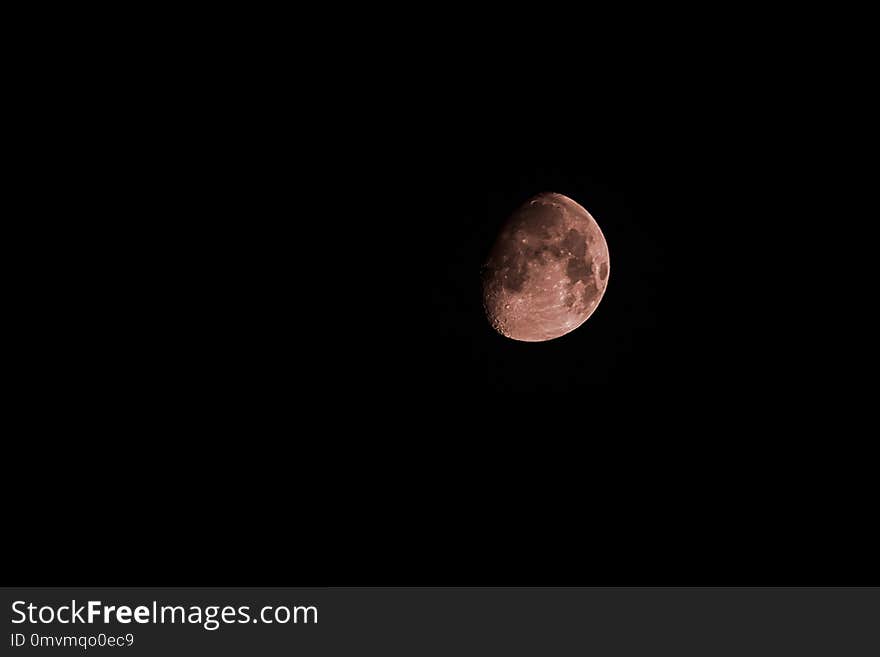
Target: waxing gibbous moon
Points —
{"points": [[547, 270]]}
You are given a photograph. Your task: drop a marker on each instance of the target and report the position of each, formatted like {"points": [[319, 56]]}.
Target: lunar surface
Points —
{"points": [[546, 272]]}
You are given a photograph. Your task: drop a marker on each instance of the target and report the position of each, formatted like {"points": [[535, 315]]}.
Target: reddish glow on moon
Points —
{"points": [[547, 271]]}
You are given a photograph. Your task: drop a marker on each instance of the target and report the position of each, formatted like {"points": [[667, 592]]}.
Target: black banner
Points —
{"points": [[451, 621]]}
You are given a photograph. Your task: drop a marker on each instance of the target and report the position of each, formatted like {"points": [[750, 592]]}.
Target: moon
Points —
{"points": [[547, 271]]}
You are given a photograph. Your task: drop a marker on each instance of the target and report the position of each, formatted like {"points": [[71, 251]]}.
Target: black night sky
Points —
{"points": [[270, 358]]}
